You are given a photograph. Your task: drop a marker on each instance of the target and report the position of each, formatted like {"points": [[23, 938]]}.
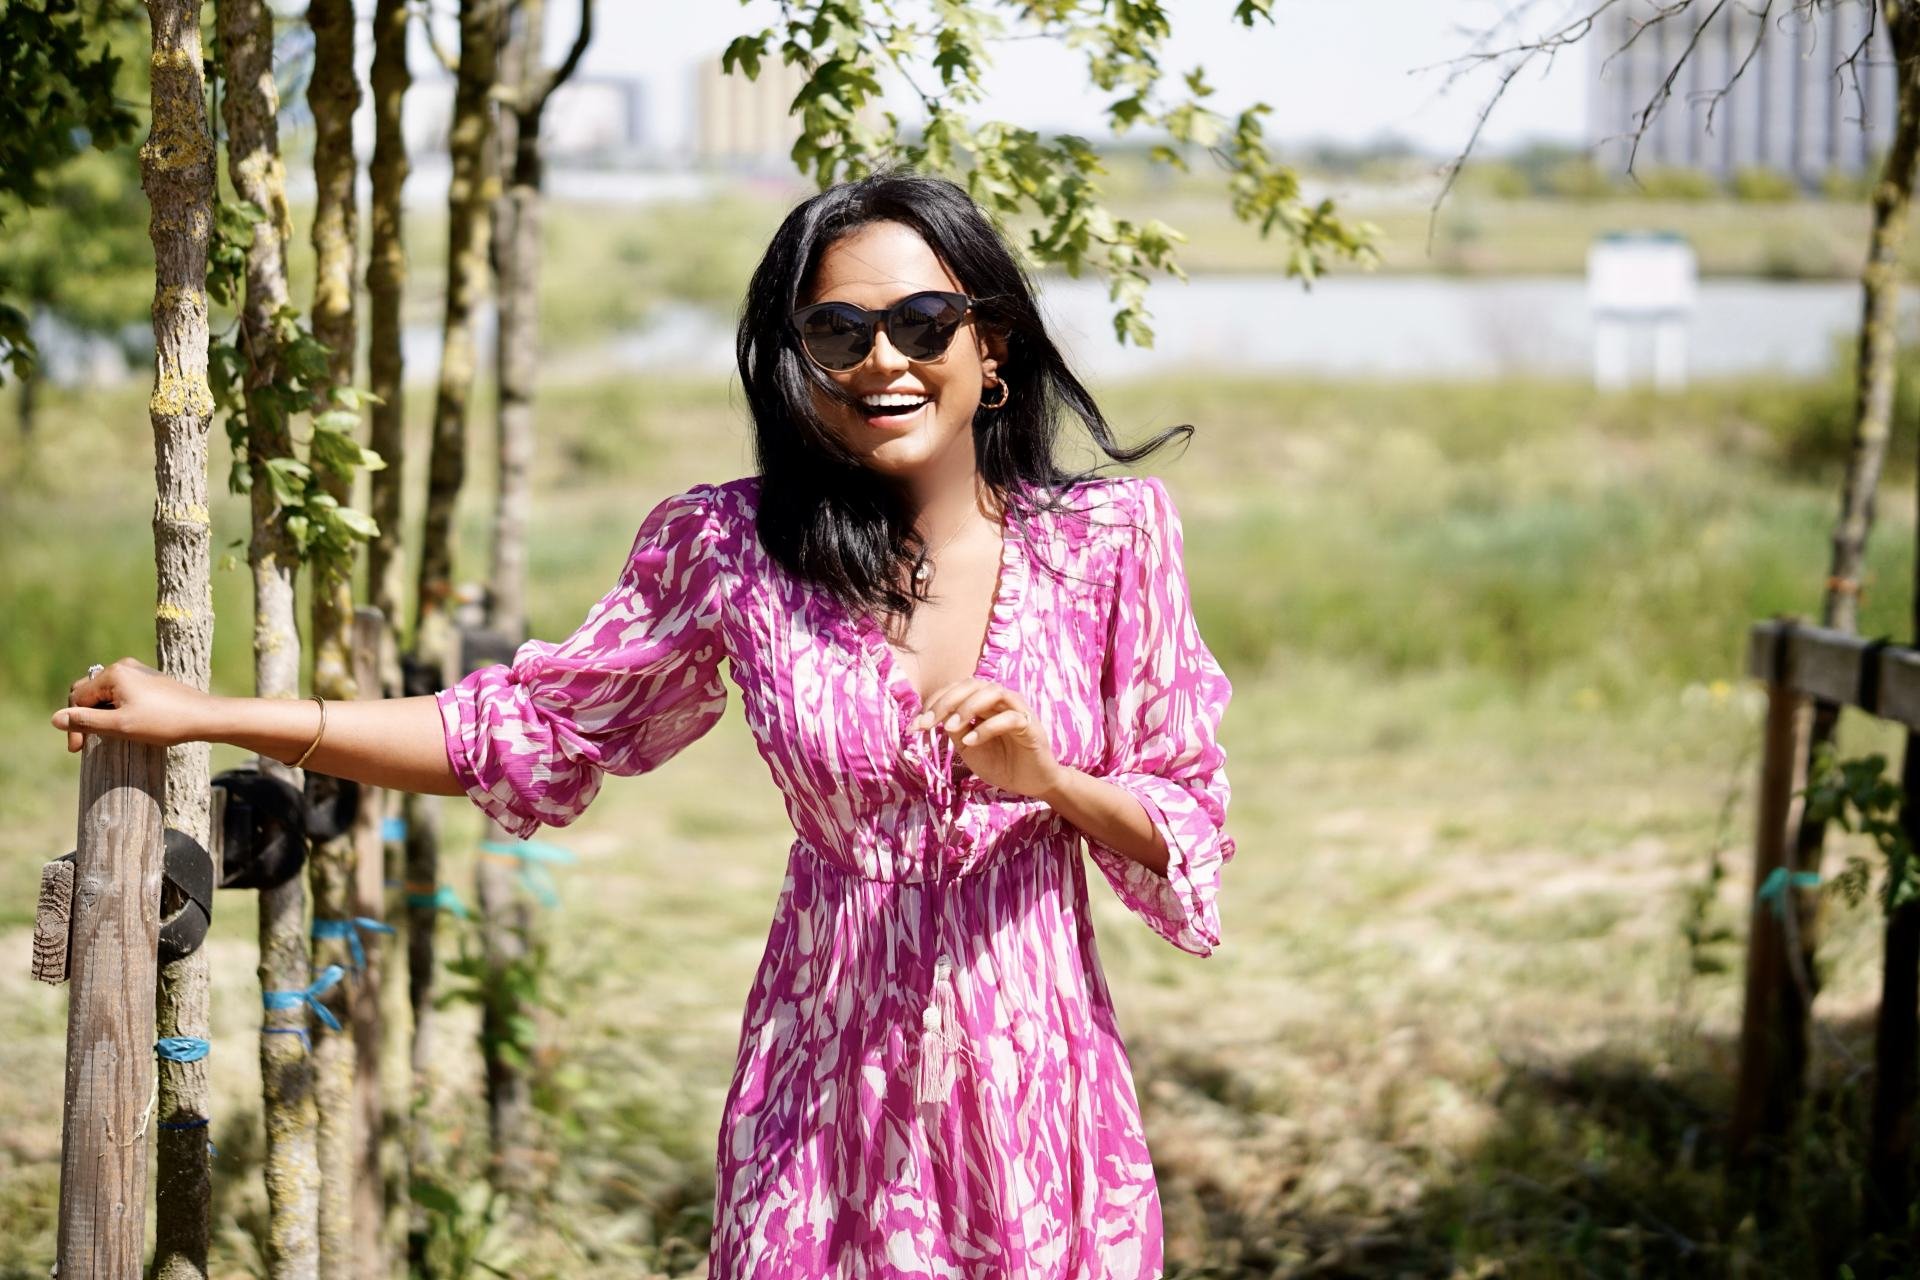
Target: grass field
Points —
{"points": [[1488, 744]]}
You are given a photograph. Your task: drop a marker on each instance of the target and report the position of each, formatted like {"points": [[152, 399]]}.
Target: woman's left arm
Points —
{"points": [[1110, 814], [1163, 697]]}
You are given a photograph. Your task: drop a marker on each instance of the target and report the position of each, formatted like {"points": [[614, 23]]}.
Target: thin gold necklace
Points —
{"points": [[924, 570]]}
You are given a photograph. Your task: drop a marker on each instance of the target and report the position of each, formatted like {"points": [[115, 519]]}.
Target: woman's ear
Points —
{"points": [[993, 349]]}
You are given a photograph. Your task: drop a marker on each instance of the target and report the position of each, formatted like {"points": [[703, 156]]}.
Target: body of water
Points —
{"points": [[1347, 326]]}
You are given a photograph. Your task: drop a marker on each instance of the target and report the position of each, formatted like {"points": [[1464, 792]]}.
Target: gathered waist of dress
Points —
{"points": [[914, 861]]}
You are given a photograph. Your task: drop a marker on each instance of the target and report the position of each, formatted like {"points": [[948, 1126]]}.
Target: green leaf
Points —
{"points": [[746, 52], [434, 1197]]}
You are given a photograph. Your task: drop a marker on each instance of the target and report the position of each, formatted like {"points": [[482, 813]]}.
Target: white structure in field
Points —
{"points": [[1641, 287]]}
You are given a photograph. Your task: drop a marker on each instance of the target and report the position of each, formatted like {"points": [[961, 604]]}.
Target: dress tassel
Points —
{"points": [[939, 1038]]}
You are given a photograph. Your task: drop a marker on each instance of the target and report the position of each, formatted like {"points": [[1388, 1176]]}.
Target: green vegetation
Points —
{"points": [[1489, 735]]}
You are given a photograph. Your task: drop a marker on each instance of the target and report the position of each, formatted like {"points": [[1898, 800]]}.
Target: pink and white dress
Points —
{"points": [[929, 1080]]}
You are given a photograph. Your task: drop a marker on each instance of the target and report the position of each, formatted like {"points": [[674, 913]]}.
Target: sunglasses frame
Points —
{"points": [[874, 319]]}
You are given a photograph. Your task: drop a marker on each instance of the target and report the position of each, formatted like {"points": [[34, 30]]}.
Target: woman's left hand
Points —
{"points": [[996, 733]]}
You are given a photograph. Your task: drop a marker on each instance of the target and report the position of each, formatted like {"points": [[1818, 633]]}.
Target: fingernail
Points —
{"points": [[970, 738], [953, 721]]}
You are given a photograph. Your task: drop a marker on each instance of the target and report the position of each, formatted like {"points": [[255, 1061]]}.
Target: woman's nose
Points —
{"points": [[884, 354]]}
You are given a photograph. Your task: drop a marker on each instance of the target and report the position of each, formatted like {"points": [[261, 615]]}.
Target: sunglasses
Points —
{"points": [[838, 336]]}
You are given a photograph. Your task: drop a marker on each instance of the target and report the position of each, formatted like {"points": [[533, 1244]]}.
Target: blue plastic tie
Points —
{"points": [[533, 855], [182, 1048], [393, 829], [441, 899], [1773, 890], [350, 930], [310, 997]]}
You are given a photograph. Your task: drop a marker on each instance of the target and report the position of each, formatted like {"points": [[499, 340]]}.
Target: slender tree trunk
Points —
{"points": [[333, 93], [516, 264], [469, 202], [386, 569], [506, 921], [1890, 1159], [469, 205], [373, 1259], [1875, 376], [251, 107], [507, 926], [177, 165], [386, 286]]}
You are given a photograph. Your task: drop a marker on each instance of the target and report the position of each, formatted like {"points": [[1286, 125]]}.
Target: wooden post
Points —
{"points": [[114, 964], [1763, 1101]]}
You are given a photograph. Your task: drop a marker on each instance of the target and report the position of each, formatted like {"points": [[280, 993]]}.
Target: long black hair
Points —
{"points": [[824, 515]]}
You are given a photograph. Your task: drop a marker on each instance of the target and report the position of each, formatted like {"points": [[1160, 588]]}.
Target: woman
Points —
{"points": [[958, 662]]}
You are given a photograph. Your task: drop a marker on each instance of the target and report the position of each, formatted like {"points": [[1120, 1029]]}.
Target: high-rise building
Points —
{"points": [[745, 123], [1810, 95]]}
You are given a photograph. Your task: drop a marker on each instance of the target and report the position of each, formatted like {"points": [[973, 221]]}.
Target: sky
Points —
{"points": [[1339, 70]]}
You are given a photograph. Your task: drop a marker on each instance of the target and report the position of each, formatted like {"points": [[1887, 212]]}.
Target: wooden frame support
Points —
{"points": [[1799, 664]]}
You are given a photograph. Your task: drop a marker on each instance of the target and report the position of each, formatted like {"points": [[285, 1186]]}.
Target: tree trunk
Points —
{"points": [[333, 93], [386, 285], [1890, 1159], [507, 933], [517, 265], [469, 203], [469, 200], [371, 1175], [386, 570], [177, 166], [506, 921], [250, 108], [1875, 377]]}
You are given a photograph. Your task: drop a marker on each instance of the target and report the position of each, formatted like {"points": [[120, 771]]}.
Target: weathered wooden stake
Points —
{"points": [[1764, 1099], [113, 961]]}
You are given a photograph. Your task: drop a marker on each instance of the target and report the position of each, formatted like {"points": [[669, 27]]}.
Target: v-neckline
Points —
{"points": [[1001, 610]]}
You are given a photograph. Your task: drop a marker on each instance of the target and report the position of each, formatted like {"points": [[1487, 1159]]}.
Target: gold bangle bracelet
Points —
{"points": [[316, 737]]}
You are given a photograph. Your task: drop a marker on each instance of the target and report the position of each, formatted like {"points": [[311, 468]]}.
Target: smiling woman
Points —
{"points": [[970, 674]]}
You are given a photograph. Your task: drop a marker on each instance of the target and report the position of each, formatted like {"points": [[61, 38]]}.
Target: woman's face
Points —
{"points": [[875, 266]]}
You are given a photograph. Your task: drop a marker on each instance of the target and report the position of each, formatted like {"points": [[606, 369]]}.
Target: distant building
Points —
{"points": [[1795, 107], [742, 123]]}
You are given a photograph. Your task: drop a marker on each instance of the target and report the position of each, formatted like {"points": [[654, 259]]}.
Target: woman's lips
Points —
{"points": [[893, 417]]}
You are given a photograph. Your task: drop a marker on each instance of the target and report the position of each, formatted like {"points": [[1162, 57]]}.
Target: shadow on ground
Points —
{"points": [[1611, 1163]]}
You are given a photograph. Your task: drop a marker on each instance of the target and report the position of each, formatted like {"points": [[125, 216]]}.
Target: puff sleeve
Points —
{"points": [[1164, 696], [635, 683]]}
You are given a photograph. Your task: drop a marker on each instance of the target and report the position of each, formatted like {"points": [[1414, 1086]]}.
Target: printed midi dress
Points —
{"points": [[929, 1081]]}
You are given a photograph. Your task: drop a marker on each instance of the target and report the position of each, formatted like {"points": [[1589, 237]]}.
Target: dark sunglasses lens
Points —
{"points": [[837, 337], [923, 326]]}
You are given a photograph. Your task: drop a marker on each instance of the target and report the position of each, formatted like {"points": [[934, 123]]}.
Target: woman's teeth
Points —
{"points": [[891, 406]]}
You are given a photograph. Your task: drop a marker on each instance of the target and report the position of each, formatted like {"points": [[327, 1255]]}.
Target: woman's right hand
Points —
{"points": [[131, 700]]}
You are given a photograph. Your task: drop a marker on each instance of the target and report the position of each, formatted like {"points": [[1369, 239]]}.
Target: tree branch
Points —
{"points": [[564, 72], [423, 11]]}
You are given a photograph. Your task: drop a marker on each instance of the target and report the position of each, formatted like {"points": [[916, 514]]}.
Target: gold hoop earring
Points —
{"points": [[1006, 393]]}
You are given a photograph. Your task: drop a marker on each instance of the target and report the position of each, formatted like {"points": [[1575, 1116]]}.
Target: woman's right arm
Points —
{"points": [[384, 742]]}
